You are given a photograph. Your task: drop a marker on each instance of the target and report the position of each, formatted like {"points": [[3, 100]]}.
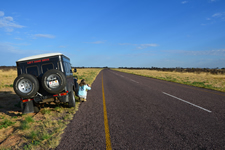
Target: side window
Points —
{"points": [[32, 70], [66, 67], [70, 69], [46, 67]]}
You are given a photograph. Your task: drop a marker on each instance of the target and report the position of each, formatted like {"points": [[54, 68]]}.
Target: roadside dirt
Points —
{"points": [[13, 137], [10, 110], [9, 107]]}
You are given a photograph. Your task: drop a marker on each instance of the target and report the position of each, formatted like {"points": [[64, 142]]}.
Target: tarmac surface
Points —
{"points": [[146, 113]]}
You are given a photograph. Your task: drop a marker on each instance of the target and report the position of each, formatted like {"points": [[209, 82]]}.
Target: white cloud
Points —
{"points": [[140, 46], [138, 54], [11, 48], [126, 44], [1, 13], [217, 15], [62, 46], [98, 42], [7, 23], [14, 48], [18, 38], [184, 2], [45, 36], [8, 18]]}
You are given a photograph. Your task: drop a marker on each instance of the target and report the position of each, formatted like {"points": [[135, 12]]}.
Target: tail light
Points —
{"points": [[26, 100], [61, 94]]}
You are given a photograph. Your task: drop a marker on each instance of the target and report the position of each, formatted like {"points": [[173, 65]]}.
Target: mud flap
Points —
{"points": [[64, 99], [27, 107]]}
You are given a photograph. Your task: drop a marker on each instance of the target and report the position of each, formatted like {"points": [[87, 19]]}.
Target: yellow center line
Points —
{"points": [[107, 134]]}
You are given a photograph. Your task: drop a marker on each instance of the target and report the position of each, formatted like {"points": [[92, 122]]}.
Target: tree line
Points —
{"points": [[180, 69]]}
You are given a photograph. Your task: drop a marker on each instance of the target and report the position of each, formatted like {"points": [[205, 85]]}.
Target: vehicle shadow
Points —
{"points": [[60, 104], [10, 103]]}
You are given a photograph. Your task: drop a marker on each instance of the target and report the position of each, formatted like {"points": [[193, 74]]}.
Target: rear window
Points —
{"points": [[32, 70], [46, 67]]}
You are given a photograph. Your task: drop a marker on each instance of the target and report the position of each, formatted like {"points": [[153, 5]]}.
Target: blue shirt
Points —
{"points": [[83, 90]]}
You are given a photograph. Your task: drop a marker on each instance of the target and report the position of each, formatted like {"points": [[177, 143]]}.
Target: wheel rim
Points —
{"points": [[25, 86], [53, 77]]}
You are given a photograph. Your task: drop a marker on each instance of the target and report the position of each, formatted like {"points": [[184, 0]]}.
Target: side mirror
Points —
{"points": [[75, 70]]}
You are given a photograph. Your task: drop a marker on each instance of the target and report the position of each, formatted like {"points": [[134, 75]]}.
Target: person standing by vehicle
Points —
{"points": [[83, 88]]}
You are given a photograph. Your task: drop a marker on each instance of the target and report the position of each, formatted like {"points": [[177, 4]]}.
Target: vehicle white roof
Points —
{"points": [[39, 56]]}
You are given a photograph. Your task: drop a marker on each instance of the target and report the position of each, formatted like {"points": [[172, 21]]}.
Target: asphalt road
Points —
{"points": [[145, 113]]}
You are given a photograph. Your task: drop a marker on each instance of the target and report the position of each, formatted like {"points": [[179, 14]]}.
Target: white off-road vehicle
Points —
{"points": [[44, 78]]}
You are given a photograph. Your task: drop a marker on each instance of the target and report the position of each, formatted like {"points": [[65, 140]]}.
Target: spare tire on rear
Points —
{"points": [[53, 81], [26, 85]]}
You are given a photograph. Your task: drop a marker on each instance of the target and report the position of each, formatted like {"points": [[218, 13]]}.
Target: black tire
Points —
{"points": [[71, 99], [76, 91], [26, 85], [53, 75], [75, 87]]}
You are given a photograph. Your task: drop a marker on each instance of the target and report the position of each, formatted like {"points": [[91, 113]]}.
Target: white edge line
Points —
{"points": [[123, 77], [187, 102], [134, 81]]}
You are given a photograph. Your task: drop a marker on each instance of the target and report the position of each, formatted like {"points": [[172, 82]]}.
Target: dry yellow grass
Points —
{"points": [[89, 74], [7, 78], [205, 80]]}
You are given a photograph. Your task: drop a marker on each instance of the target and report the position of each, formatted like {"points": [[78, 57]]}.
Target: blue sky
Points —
{"points": [[116, 33]]}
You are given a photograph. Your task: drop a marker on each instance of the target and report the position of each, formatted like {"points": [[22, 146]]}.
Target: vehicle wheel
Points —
{"points": [[53, 81], [76, 86], [26, 85], [71, 99]]}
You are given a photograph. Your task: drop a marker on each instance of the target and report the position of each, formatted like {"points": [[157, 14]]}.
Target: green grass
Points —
{"points": [[11, 85], [46, 136], [25, 124], [34, 135], [5, 123], [45, 111], [27, 147], [29, 119], [36, 142]]}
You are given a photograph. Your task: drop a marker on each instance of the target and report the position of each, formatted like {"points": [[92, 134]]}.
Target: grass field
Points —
{"points": [[34, 131], [7, 78], [204, 80]]}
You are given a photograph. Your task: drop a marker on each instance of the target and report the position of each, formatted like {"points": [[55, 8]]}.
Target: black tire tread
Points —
{"points": [[54, 90], [34, 81]]}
